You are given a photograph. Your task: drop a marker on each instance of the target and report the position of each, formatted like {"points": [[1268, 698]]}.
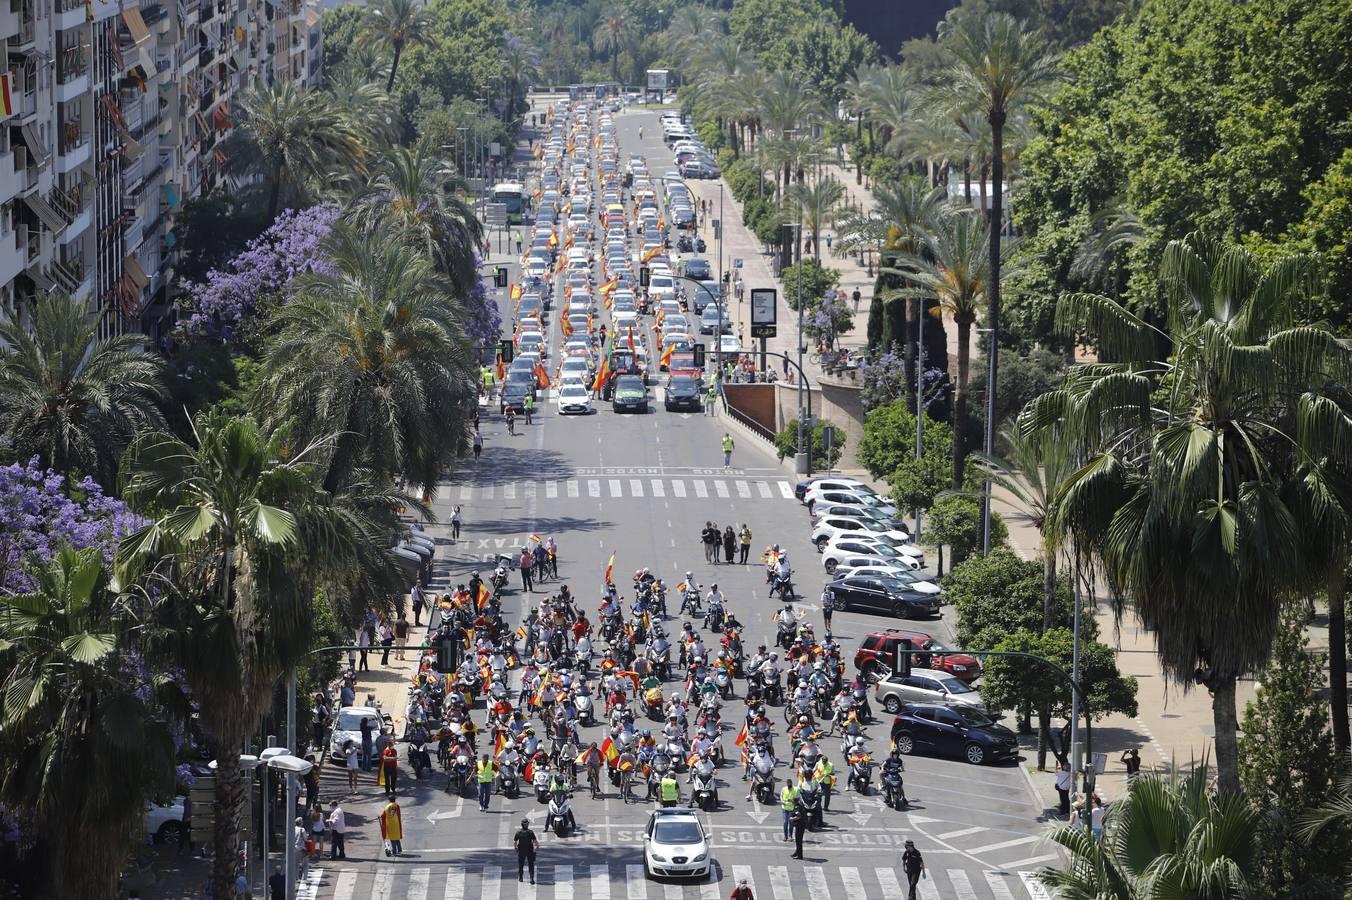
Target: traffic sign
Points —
{"points": [[495, 215]]}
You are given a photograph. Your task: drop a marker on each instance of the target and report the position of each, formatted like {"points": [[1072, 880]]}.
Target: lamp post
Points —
{"points": [[464, 157], [804, 461], [264, 758], [293, 767]]}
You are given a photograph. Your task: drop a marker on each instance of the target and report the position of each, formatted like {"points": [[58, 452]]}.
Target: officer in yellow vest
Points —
{"points": [[788, 798], [484, 771], [824, 774], [670, 791]]}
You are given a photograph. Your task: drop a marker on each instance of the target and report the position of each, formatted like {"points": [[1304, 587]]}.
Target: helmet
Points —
{"points": [[775, 548], [714, 586], [819, 665], [774, 656], [675, 696], [689, 576], [702, 732], [802, 720], [859, 741], [647, 733]]}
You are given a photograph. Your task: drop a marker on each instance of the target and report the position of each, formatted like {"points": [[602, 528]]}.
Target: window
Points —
{"points": [[872, 642], [677, 833]]}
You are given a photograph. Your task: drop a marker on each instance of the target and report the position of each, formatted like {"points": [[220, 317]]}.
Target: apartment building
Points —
{"points": [[113, 115]]}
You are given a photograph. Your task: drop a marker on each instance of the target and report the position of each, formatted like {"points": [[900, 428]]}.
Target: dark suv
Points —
{"points": [[952, 730], [874, 656]]}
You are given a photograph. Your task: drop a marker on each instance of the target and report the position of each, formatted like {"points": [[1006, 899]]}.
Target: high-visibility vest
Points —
{"points": [[788, 796], [670, 791], [824, 771], [727, 444], [485, 772]]}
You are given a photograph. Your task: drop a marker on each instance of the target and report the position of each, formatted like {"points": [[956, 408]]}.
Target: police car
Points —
{"points": [[675, 845]]}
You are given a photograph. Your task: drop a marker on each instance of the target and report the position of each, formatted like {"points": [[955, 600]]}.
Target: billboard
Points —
{"points": [[657, 79], [764, 311]]}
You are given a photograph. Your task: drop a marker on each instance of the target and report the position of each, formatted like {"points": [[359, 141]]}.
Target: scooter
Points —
{"points": [[894, 794], [690, 603], [810, 796], [507, 783], [763, 785], [457, 777], [723, 681], [419, 758], [586, 711], [783, 585], [705, 794], [541, 784], [861, 772], [559, 818], [785, 633]]}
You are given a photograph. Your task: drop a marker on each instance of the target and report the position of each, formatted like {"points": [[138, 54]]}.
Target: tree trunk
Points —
{"points": [[1044, 735], [1226, 721], [981, 193], [967, 180], [960, 402], [394, 67], [1337, 589], [229, 800], [275, 193]]}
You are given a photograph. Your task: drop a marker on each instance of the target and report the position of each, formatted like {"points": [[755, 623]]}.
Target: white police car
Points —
{"points": [[675, 845]]}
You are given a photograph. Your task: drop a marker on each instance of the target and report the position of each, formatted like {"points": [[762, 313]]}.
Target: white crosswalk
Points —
{"points": [[622, 489], [576, 881]]}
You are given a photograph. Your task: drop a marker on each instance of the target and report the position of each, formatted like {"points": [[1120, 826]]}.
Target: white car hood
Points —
{"points": [[911, 550], [924, 587]]}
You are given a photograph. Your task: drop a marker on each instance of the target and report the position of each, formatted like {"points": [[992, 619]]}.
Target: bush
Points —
{"points": [[714, 138], [956, 522], [1000, 594], [817, 280], [786, 443]]}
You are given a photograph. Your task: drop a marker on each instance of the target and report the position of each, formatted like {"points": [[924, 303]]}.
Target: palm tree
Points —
{"points": [[66, 396], [297, 139], [1202, 465], [693, 28], [610, 38], [953, 268], [998, 67], [395, 25], [859, 91], [241, 530], [520, 66], [83, 750], [364, 103], [893, 102], [1170, 836], [818, 200], [413, 192], [372, 352]]}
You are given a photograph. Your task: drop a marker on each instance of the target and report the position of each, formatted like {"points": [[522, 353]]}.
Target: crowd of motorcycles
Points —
{"points": [[661, 698]]}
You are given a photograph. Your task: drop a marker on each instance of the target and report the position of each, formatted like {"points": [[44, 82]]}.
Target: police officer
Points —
{"points": [[670, 790], [484, 771], [526, 844], [828, 604], [798, 819], [788, 800], [914, 866]]}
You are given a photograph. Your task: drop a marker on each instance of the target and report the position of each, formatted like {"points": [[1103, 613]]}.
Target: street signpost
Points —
{"points": [[764, 311]]}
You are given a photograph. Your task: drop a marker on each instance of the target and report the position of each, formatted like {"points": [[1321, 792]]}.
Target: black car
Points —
{"points": [[630, 395], [682, 393], [698, 269], [890, 596], [952, 730]]}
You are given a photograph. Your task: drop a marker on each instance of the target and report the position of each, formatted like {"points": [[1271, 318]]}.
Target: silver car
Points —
{"points": [[925, 686]]}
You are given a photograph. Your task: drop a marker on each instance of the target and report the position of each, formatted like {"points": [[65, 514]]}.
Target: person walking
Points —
{"points": [[788, 799], [363, 643], [478, 444], [367, 730], [484, 771], [518, 242], [710, 553], [455, 523], [1065, 781], [553, 550], [745, 538], [319, 720], [855, 296], [541, 556], [727, 449], [528, 406], [418, 603], [742, 892], [401, 635], [526, 844], [317, 829], [913, 864], [389, 769], [729, 544], [1132, 760], [386, 635], [353, 759], [711, 401], [798, 819], [511, 421], [828, 604], [525, 564], [338, 830], [392, 827]]}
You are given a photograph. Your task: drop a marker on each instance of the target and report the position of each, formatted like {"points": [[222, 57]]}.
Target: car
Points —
{"points": [[164, 821], [920, 582], [845, 551], [698, 268], [675, 844], [823, 509], [514, 396], [682, 393], [630, 395], [883, 544], [828, 528], [874, 656], [574, 399], [709, 320], [347, 727], [950, 729], [925, 686], [728, 344], [817, 495], [890, 596], [801, 489]]}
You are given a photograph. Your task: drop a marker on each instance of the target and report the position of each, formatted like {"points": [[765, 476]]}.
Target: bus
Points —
{"points": [[513, 196]]}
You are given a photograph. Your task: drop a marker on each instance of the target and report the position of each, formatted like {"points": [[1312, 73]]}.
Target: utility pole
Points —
{"points": [[919, 399]]}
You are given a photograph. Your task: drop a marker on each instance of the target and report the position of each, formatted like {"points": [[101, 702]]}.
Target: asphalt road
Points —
{"points": [[642, 487]]}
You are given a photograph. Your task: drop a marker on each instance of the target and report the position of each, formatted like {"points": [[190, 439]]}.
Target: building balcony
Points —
{"points": [[11, 180], [12, 256], [73, 150], [70, 14], [75, 85], [79, 225], [9, 25]]}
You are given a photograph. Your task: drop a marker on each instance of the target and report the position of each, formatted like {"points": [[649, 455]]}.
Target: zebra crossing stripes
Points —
{"points": [[572, 487], [674, 488], [491, 888], [417, 883], [455, 883], [999, 890], [678, 489], [659, 490], [600, 882], [700, 490]]}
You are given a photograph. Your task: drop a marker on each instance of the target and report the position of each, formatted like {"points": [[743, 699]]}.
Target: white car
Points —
{"points": [[164, 821], [729, 345], [836, 484], [916, 581], [347, 727], [904, 549], [864, 553], [849, 498], [675, 844], [574, 399], [828, 528], [926, 686]]}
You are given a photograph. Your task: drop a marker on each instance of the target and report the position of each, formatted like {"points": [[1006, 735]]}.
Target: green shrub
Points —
{"points": [[786, 443]]}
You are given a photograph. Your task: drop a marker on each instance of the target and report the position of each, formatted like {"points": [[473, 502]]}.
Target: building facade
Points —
{"points": [[113, 115]]}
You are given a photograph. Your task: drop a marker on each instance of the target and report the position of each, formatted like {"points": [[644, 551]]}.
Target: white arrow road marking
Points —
{"points": [[861, 818], [438, 815], [760, 815]]}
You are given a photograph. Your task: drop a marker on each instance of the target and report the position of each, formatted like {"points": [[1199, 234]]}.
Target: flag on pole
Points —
{"points": [[602, 374], [650, 253], [741, 737], [541, 376], [515, 292], [665, 361], [484, 595], [610, 567], [502, 741], [609, 751], [529, 772]]}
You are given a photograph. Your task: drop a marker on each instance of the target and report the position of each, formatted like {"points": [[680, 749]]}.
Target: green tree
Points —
{"points": [[999, 594], [1170, 836], [374, 354], [610, 38], [955, 522], [1202, 468], [786, 443], [1288, 763], [83, 750], [816, 281], [392, 26], [68, 397], [887, 450], [817, 202], [210, 230], [341, 25]]}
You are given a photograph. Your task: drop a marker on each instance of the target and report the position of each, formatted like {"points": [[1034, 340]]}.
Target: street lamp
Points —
{"points": [[804, 462], [464, 159], [294, 767]]}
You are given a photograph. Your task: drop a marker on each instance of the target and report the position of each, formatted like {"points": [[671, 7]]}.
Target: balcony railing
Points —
{"points": [[73, 135], [71, 63]]}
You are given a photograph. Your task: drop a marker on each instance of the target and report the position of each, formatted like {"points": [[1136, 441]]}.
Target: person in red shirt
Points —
{"points": [[741, 892], [582, 627], [389, 768]]}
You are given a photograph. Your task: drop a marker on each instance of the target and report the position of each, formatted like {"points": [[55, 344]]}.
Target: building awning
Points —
{"points": [[132, 266], [45, 212], [39, 278], [133, 149], [137, 26], [30, 137], [311, 18]]}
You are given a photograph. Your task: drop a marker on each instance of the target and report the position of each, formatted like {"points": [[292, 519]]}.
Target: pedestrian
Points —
{"points": [[1065, 781], [669, 790], [788, 800], [401, 634], [363, 642], [392, 828], [511, 421], [727, 449], [352, 760], [541, 556], [855, 296], [704, 539], [553, 549], [389, 769], [312, 780], [418, 604], [277, 884], [185, 833], [528, 405], [1096, 812], [455, 523], [300, 840], [337, 831], [317, 830], [913, 864], [711, 401], [798, 819], [729, 544], [483, 773], [367, 730], [525, 563], [828, 604], [386, 635], [319, 720], [745, 538], [526, 844], [742, 892], [478, 444], [518, 243], [1132, 760]]}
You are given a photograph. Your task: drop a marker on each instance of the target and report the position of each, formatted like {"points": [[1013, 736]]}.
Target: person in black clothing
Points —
{"points": [[526, 844], [729, 544], [798, 821], [277, 884], [914, 866]]}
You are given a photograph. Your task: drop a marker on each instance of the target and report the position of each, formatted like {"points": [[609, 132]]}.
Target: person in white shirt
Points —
{"points": [[338, 828]]}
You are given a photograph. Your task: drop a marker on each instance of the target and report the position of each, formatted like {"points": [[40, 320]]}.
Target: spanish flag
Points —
{"points": [[569, 244], [631, 340], [741, 737], [553, 239], [502, 741], [515, 292], [609, 286], [484, 595], [602, 377], [649, 254], [521, 632], [609, 751], [665, 361], [529, 772], [501, 369], [541, 376], [632, 676], [610, 567], [537, 539]]}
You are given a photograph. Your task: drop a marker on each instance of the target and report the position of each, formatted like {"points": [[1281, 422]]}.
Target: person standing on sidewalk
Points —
{"points": [[386, 635], [1065, 781], [913, 864], [418, 604], [363, 642], [526, 844], [727, 449], [455, 523], [401, 635], [338, 830]]}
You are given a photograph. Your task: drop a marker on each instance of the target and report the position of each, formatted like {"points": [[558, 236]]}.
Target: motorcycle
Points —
{"points": [[705, 794], [507, 783], [652, 704], [763, 785], [772, 688], [822, 700], [783, 585], [586, 711], [861, 771], [541, 784], [661, 660], [458, 776], [723, 681], [713, 617], [785, 633], [810, 796], [559, 818], [690, 603], [894, 794], [419, 758]]}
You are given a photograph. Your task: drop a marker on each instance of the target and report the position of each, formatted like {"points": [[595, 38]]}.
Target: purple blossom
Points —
{"points": [[828, 317], [41, 512], [483, 320], [16, 830], [292, 246]]}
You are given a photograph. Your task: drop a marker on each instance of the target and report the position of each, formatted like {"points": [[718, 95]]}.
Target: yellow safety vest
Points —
{"points": [[670, 791], [727, 444], [787, 798], [485, 772]]}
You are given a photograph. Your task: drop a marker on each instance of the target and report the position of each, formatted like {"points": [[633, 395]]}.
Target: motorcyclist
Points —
{"points": [[824, 773], [893, 766]]}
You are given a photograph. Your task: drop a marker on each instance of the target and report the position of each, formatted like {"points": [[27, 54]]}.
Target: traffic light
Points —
{"points": [[699, 356], [500, 277], [901, 657], [446, 654], [643, 276], [505, 348]]}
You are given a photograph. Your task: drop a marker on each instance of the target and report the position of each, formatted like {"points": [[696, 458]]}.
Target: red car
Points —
{"points": [[874, 656]]}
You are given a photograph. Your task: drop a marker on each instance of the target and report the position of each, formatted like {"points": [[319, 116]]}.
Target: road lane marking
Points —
{"points": [[1035, 888], [962, 885], [417, 883], [817, 888], [764, 488], [1026, 839], [887, 880], [740, 873], [443, 492], [490, 887], [708, 890], [635, 885], [635, 487], [487, 492], [1032, 860], [743, 490], [961, 832], [530, 491], [346, 885], [672, 891], [455, 883], [779, 883], [466, 492], [678, 489], [572, 487], [998, 886], [786, 490], [563, 882], [700, 490], [600, 882], [380, 889], [593, 488], [551, 490], [616, 489], [509, 491], [721, 487], [658, 489], [854, 885]]}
